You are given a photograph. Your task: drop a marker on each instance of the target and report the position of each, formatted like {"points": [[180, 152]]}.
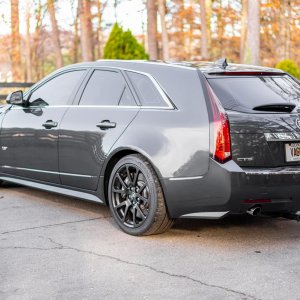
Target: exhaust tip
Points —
{"points": [[254, 211]]}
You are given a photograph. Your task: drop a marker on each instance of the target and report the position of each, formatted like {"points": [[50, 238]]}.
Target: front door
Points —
{"points": [[29, 135]]}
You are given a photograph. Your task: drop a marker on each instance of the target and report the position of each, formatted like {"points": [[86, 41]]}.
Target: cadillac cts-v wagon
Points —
{"points": [[159, 141]]}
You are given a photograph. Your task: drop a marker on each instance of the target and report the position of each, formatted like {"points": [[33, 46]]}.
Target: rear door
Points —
{"points": [[264, 118], [104, 108], [29, 135]]}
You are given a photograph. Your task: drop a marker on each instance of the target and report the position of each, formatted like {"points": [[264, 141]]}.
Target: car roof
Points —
{"points": [[203, 66]]}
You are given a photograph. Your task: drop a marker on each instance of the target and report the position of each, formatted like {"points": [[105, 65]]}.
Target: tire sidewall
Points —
{"points": [[145, 168]]}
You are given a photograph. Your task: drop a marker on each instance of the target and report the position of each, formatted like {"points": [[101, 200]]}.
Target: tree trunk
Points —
{"points": [[208, 8], [253, 51], [164, 31], [220, 29], [243, 40], [152, 29], [36, 49], [288, 30], [28, 44], [86, 30], [76, 39], [204, 42], [55, 34], [99, 36], [15, 41], [284, 25]]}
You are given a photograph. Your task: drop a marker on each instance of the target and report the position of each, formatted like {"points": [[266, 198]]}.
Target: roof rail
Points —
{"points": [[222, 63]]}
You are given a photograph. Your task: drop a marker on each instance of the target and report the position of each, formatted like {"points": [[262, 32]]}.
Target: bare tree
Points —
{"points": [[100, 5], [37, 46], [253, 51], [55, 34], [284, 37], [243, 39], [208, 8], [204, 39], [15, 40], [28, 71], [152, 29], [164, 31], [76, 39], [85, 18]]}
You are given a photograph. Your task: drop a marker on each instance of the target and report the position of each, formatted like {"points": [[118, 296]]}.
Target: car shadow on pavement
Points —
{"points": [[238, 228]]}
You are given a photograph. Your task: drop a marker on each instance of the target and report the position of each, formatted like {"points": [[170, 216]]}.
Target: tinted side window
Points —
{"points": [[56, 91], [127, 99], [146, 90], [106, 88]]}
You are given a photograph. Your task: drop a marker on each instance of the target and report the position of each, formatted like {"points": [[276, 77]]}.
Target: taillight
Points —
{"points": [[220, 145]]}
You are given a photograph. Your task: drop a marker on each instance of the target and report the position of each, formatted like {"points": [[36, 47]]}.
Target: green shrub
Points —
{"points": [[290, 67], [123, 45]]}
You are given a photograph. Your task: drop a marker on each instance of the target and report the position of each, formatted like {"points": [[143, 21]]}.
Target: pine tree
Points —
{"points": [[123, 45], [289, 66]]}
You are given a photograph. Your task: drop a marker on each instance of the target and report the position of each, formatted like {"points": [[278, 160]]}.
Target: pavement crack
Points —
{"points": [[61, 246], [28, 248], [55, 224]]}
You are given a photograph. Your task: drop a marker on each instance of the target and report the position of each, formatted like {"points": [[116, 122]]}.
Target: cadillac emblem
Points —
{"points": [[298, 123]]}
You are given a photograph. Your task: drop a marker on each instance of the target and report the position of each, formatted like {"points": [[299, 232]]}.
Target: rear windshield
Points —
{"points": [[236, 93]]}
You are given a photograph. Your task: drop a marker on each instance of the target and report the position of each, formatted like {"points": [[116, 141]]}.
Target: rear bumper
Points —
{"points": [[229, 188]]}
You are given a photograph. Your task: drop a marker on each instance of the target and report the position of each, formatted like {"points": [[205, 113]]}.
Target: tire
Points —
{"points": [[136, 199]]}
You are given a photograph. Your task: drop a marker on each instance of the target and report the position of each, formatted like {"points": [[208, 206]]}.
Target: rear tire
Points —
{"points": [[136, 199]]}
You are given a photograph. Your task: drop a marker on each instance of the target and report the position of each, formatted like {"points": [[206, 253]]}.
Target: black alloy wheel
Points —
{"points": [[136, 199]]}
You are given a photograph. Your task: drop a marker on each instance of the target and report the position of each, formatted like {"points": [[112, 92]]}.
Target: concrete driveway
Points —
{"points": [[55, 247]]}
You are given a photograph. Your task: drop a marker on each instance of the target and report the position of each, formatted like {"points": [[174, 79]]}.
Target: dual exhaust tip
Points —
{"points": [[256, 210]]}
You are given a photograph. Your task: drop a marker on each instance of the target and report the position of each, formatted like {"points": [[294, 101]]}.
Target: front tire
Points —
{"points": [[136, 199]]}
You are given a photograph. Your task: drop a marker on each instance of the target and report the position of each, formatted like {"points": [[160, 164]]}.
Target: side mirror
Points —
{"points": [[15, 98]]}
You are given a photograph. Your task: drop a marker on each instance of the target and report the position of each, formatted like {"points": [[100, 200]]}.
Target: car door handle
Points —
{"points": [[50, 124], [106, 124]]}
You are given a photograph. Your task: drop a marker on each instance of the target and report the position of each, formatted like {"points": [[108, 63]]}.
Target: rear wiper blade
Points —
{"points": [[278, 107]]}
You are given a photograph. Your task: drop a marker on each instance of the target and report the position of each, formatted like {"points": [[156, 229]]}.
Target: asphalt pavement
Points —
{"points": [[56, 247]]}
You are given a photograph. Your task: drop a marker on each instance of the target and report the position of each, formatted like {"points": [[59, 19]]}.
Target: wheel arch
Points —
{"points": [[114, 157]]}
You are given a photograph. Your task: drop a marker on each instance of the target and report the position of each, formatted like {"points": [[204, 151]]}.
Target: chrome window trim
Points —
{"points": [[160, 89], [17, 107], [53, 75]]}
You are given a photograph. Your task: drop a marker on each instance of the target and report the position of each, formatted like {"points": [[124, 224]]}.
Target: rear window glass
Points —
{"points": [[250, 92]]}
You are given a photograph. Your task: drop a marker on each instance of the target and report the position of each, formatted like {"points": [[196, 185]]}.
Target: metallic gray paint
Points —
{"points": [[174, 140]]}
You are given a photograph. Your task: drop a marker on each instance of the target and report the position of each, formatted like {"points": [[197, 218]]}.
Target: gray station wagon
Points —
{"points": [[158, 141]]}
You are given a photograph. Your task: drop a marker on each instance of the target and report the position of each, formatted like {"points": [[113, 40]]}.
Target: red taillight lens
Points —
{"points": [[220, 144]]}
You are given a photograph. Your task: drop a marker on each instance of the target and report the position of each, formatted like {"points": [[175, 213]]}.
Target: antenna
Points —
{"points": [[222, 63]]}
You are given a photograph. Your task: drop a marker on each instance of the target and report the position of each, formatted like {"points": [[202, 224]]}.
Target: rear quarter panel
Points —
{"points": [[175, 141]]}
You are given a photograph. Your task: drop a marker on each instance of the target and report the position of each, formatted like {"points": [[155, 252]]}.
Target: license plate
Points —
{"points": [[292, 152]]}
